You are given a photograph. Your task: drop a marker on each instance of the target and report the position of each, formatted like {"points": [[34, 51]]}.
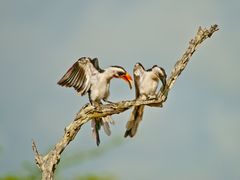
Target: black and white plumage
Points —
{"points": [[146, 84], [85, 76]]}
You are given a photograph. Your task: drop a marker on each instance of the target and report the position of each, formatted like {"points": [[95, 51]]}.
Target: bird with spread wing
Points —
{"points": [[86, 77]]}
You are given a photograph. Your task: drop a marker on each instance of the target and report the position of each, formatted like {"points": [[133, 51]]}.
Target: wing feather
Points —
{"points": [[79, 75], [136, 83], [137, 74], [161, 74]]}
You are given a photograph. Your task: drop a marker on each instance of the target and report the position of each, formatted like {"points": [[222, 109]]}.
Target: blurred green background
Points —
{"points": [[196, 134], [29, 170]]}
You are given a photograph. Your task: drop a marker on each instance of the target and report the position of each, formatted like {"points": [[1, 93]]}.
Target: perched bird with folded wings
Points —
{"points": [[86, 77], [146, 84]]}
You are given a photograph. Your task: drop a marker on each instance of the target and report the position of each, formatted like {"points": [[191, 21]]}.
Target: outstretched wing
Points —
{"points": [[138, 74], [79, 75]]}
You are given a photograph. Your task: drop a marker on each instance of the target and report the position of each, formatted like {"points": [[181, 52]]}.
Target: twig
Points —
{"points": [[48, 163]]}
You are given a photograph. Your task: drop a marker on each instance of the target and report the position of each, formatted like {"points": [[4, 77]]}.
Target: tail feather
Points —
{"points": [[95, 128], [96, 125], [135, 118], [105, 124]]}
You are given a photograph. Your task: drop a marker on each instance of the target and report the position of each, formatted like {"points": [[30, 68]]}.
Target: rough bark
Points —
{"points": [[48, 163]]}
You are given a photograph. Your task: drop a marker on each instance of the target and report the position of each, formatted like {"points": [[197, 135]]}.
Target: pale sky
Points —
{"points": [[196, 134]]}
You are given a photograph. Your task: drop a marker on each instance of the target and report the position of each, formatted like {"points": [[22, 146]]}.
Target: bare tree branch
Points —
{"points": [[48, 163]]}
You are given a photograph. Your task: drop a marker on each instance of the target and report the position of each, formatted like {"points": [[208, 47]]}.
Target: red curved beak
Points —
{"points": [[126, 77]]}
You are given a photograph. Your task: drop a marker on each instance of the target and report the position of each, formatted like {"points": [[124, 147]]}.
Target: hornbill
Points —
{"points": [[146, 83], [85, 76]]}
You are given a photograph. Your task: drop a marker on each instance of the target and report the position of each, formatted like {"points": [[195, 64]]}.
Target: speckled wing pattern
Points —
{"points": [[80, 74]]}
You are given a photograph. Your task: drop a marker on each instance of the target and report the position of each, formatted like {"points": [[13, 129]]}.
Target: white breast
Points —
{"points": [[148, 85], [99, 88]]}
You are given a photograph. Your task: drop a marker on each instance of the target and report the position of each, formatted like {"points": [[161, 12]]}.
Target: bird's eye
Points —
{"points": [[120, 73]]}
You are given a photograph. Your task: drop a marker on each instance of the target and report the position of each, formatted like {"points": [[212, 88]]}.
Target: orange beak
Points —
{"points": [[126, 77]]}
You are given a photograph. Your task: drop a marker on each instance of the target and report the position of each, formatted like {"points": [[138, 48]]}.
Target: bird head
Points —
{"points": [[120, 72]]}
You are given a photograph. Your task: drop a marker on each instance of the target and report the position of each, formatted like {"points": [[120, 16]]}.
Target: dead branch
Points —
{"points": [[48, 163]]}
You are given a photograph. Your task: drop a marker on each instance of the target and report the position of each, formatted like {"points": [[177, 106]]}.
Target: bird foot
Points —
{"points": [[150, 97], [142, 97], [96, 105]]}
